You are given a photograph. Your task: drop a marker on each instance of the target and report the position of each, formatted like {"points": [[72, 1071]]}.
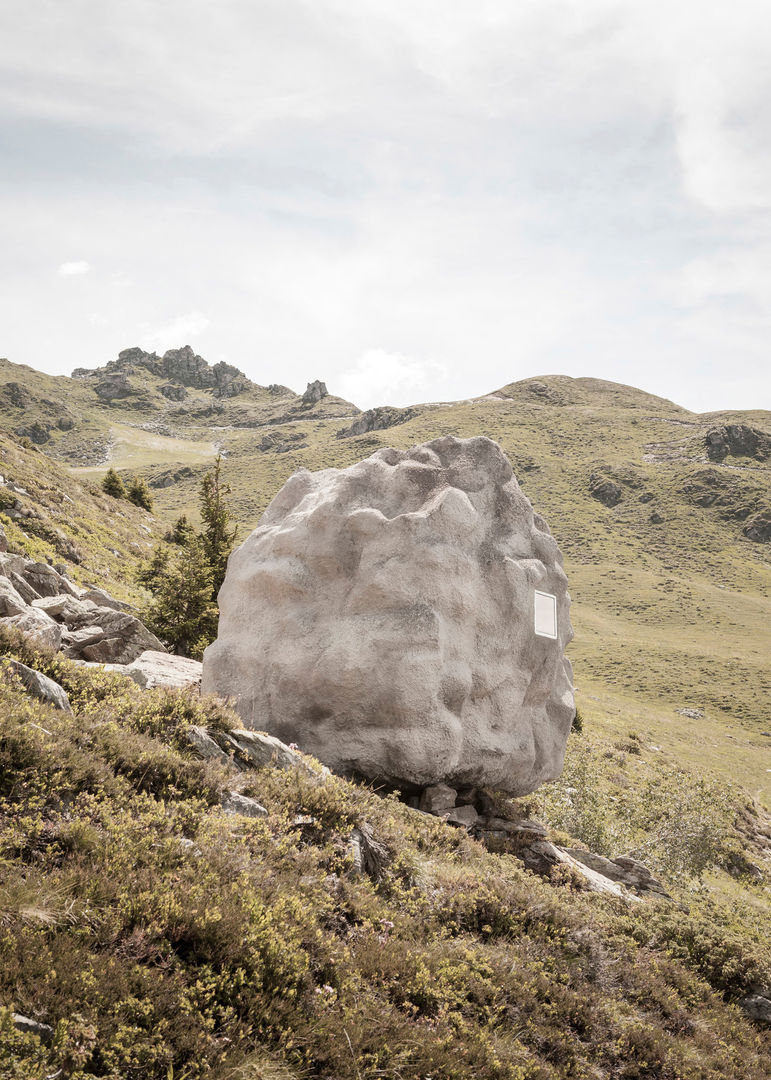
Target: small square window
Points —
{"points": [[546, 615]]}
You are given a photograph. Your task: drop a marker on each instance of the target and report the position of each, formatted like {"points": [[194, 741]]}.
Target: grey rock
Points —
{"points": [[463, 815], [628, 871], [377, 420], [23, 587], [604, 490], [314, 392], [542, 856], [525, 827], [369, 856], [65, 609], [261, 749], [173, 391], [758, 528], [205, 746], [739, 440], [39, 685], [153, 669], [10, 601], [43, 579], [123, 637], [33, 1027], [102, 599], [758, 1007], [11, 564], [234, 803], [437, 799], [3, 540], [37, 625], [382, 618]]}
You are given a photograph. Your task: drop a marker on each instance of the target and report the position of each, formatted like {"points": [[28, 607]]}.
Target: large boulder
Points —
{"points": [[382, 617]]}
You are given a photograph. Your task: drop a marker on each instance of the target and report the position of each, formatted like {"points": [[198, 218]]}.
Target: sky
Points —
{"points": [[413, 200]]}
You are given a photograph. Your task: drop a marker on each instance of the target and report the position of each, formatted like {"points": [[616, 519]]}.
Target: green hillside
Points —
{"points": [[161, 939]]}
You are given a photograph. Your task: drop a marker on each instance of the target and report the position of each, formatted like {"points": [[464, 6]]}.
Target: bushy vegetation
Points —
{"points": [[160, 937], [136, 490]]}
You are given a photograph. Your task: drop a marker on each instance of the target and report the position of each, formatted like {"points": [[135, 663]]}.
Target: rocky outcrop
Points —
{"points": [[739, 440], [116, 384], [173, 391], [314, 392], [86, 623], [606, 491], [382, 618], [758, 528], [377, 420]]}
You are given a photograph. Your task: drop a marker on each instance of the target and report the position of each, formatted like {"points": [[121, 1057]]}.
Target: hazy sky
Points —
{"points": [[410, 199]]}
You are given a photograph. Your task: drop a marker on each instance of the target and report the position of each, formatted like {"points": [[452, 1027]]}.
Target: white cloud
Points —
{"points": [[379, 377], [179, 331], [73, 269]]}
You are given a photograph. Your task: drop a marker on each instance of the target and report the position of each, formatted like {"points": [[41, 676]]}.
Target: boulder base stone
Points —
{"points": [[381, 617]]}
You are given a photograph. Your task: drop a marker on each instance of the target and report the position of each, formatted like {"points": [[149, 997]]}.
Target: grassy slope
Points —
{"points": [[162, 939]]}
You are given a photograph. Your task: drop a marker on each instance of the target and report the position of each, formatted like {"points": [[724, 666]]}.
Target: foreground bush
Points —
{"points": [[161, 938]]}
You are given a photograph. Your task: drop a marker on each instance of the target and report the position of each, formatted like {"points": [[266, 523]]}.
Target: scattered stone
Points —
{"points": [[64, 608], [205, 746], [102, 599], [758, 528], [22, 587], [542, 856], [39, 685], [10, 601], [369, 856], [260, 750], [39, 626], [692, 714], [465, 816], [656, 518], [153, 669], [3, 540], [123, 637], [33, 1027], [758, 1007], [43, 579], [382, 618], [628, 871], [437, 799], [605, 491], [233, 802], [173, 391]]}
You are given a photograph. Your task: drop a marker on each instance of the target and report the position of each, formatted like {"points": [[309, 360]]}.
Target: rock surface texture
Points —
{"points": [[381, 617]]}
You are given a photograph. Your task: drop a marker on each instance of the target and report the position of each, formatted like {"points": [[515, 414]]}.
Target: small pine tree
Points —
{"points": [[218, 537], [181, 531], [152, 573], [182, 612], [139, 493], [113, 485]]}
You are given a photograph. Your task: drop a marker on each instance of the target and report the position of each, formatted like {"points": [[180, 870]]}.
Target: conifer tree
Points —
{"points": [[113, 485], [217, 535], [182, 612], [139, 493], [180, 532]]}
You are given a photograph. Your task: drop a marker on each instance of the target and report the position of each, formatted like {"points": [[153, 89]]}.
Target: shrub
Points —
{"points": [[113, 485], [139, 493]]}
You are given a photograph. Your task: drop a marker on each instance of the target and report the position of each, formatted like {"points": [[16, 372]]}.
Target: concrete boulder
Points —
{"points": [[381, 617]]}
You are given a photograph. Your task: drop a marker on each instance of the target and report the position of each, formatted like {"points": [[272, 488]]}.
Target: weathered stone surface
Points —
{"points": [[23, 587], [41, 627], [381, 617], [260, 749], [438, 799], [153, 669], [314, 392], [740, 440], [628, 871], [463, 815], [123, 637], [102, 599], [542, 856], [43, 579], [3, 539], [39, 685], [604, 490], [64, 608], [234, 803], [10, 601], [385, 416], [758, 1007], [33, 1027], [368, 854], [205, 746]]}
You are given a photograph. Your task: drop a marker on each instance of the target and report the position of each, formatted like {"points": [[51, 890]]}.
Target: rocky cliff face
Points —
{"points": [[383, 618]]}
